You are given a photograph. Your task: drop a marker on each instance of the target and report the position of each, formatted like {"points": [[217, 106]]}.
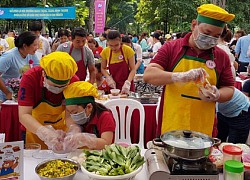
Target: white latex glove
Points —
{"points": [[111, 82], [50, 136], [126, 87], [209, 94], [74, 141], [74, 129], [191, 75], [58, 147]]}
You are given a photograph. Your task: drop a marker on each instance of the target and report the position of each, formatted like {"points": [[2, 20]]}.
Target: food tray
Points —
{"points": [[145, 98]]}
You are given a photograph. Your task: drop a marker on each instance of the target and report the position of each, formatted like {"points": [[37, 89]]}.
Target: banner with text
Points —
{"points": [[38, 13], [100, 12]]}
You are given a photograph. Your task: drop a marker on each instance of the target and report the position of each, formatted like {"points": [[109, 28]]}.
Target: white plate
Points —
{"points": [[129, 176]]}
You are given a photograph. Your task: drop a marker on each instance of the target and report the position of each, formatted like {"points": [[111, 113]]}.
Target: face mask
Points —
{"points": [[205, 42], [53, 89], [80, 118]]}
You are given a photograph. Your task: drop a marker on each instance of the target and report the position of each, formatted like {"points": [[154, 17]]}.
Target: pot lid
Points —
{"points": [[187, 139]]}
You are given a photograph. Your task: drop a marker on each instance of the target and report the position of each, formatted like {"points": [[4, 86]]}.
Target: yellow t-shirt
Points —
{"points": [[128, 52], [10, 41]]}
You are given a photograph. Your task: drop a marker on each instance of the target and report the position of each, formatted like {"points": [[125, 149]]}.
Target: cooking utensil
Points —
{"points": [[186, 144]]}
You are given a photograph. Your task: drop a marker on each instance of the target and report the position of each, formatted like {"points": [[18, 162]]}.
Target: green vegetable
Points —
{"points": [[113, 160]]}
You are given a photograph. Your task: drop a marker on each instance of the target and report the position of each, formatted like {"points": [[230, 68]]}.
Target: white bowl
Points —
{"points": [[115, 92], [129, 176]]}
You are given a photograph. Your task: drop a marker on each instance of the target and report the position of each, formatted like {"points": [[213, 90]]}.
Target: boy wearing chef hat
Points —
{"points": [[40, 99], [180, 64]]}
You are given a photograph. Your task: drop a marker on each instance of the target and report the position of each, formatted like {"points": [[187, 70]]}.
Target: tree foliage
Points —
{"points": [[120, 14], [176, 15], [133, 16], [82, 13]]}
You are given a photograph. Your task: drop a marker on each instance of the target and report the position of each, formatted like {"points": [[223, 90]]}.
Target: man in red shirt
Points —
{"points": [[40, 99], [186, 63]]}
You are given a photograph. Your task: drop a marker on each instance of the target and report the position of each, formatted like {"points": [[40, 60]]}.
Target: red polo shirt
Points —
{"points": [[104, 123], [170, 53], [30, 91]]}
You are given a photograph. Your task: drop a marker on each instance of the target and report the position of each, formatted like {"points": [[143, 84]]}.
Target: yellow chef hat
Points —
{"points": [[214, 15], [59, 67], [80, 92]]}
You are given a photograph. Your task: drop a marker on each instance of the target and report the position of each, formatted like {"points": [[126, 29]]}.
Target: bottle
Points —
{"points": [[233, 170], [231, 152], [246, 171]]}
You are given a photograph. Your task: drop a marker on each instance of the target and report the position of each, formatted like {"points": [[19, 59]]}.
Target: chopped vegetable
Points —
{"points": [[57, 168], [114, 160]]}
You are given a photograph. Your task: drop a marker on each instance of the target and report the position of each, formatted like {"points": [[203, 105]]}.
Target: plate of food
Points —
{"points": [[113, 162]]}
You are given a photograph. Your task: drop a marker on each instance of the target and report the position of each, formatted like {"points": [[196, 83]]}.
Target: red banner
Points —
{"points": [[100, 12]]}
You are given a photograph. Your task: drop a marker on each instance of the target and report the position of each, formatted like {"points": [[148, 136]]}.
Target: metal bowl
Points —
{"points": [[68, 177]]}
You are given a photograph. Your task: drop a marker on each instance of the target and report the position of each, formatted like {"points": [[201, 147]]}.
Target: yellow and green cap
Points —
{"points": [[59, 67], [80, 92], [214, 15]]}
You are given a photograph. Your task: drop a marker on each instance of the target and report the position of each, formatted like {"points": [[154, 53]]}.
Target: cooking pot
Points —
{"points": [[186, 144]]}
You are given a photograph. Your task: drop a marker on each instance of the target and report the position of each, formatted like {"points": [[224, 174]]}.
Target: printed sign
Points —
{"points": [[11, 160], [100, 15], [38, 13]]}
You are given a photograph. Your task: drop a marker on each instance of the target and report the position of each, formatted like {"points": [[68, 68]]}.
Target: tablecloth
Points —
{"points": [[9, 122], [149, 126], [30, 164], [239, 83]]}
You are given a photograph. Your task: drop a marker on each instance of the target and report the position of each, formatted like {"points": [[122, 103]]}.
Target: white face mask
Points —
{"points": [[80, 118], [53, 89], [205, 42]]}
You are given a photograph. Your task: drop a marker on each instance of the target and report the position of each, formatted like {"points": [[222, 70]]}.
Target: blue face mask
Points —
{"points": [[80, 118], [205, 42]]}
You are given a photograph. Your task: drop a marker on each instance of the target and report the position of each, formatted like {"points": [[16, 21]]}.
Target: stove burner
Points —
{"points": [[196, 167]]}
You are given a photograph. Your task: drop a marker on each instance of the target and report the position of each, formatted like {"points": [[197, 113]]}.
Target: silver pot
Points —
{"points": [[185, 144]]}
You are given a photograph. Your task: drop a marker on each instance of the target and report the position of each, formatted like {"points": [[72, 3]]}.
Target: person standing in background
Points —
{"points": [[102, 40], [139, 66], [62, 37], [106, 30], [18, 60], [158, 41], [224, 39], [234, 118], [94, 46], [143, 42], [241, 52], [44, 46], [121, 63], [237, 35], [81, 54], [4, 46], [10, 39]]}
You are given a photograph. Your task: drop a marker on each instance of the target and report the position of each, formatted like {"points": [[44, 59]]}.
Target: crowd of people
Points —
{"points": [[60, 79]]}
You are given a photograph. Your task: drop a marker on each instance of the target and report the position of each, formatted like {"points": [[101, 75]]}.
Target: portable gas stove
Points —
{"points": [[163, 167]]}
